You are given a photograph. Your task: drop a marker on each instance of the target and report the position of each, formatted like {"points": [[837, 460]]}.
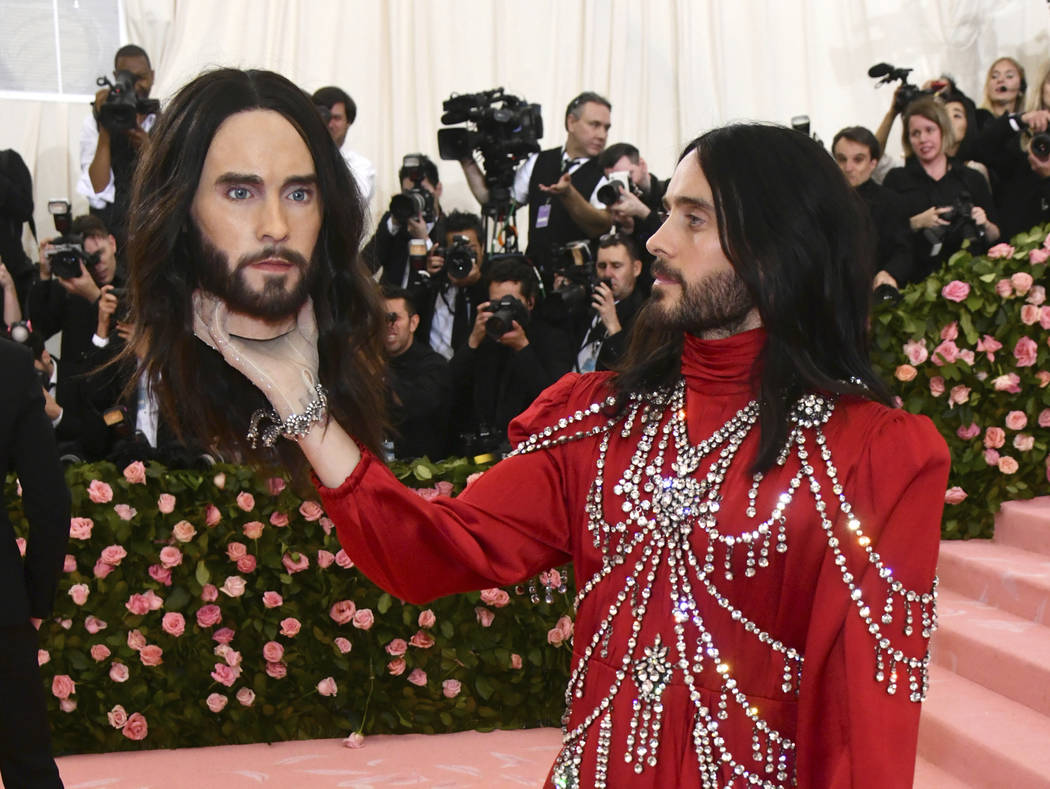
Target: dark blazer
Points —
{"points": [[27, 444]]}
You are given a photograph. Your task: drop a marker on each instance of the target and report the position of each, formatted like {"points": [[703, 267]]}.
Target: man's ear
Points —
{"points": [[636, 266], [413, 323]]}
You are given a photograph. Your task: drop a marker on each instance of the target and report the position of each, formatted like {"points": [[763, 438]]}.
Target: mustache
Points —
{"points": [[664, 271], [289, 256]]}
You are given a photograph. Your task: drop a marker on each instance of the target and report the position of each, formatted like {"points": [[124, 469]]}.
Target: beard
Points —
{"points": [[719, 303], [275, 300]]}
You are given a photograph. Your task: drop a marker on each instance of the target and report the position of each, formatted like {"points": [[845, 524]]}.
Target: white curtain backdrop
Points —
{"points": [[671, 68]]}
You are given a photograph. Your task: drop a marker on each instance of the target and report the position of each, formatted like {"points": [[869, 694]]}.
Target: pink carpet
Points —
{"points": [[466, 759]]}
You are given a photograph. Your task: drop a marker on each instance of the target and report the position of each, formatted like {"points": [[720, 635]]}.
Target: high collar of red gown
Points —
{"points": [[724, 366]]}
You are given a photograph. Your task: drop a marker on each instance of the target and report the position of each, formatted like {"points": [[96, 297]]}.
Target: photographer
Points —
{"points": [[16, 208], [410, 227], [946, 202], [560, 185], [856, 152], [419, 383], [639, 208], [341, 114], [448, 305], [1024, 200], [508, 359], [601, 341], [110, 140]]}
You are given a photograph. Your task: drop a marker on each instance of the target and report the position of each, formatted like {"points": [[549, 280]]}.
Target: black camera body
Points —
{"points": [[120, 111], [460, 257], [960, 225], [574, 263], [416, 200], [505, 129], [504, 313], [67, 250], [908, 92]]}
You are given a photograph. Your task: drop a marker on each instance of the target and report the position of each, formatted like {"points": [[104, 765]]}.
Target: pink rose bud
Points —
{"points": [[945, 353], [396, 667], [216, 702], [170, 556], [208, 615], [484, 616], [173, 623], [904, 372], [166, 503], [311, 511], [950, 331], [1007, 465], [246, 564], [397, 647], [224, 635], [290, 627], [1024, 442], [555, 636], [1016, 420], [1044, 418], [246, 501], [427, 618], [118, 716], [355, 740], [212, 516], [515, 661], [422, 640], [93, 624], [136, 728], [99, 492], [225, 675], [1010, 382], [136, 640], [253, 530], [916, 351], [70, 564], [955, 291], [278, 519], [1043, 376], [124, 512], [295, 562], [272, 651], [1037, 295], [343, 611], [418, 677], [325, 558], [183, 531], [79, 593], [276, 670], [1022, 282], [327, 687], [21, 543], [363, 619], [137, 605], [1025, 352], [959, 394], [1004, 289], [272, 600], [135, 473], [67, 705], [151, 655], [1003, 250], [495, 597], [343, 560], [118, 672], [42, 657], [1030, 314], [246, 697], [160, 574], [1037, 256], [966, 433], [342, 644], [565, 625], [450, 688], [326, 524], [99, 652], [275, 485], [994, 437], [209, 593], [219, 480], [235, 550], [113, 555]]}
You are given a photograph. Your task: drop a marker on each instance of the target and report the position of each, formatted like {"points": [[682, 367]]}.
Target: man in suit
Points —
{"points": [[27, 587]]}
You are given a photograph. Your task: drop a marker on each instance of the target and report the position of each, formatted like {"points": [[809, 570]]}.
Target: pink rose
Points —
{"points": [[1004, 289], [42, 657], [1023, 442], [959, 394], [342, 644], [136, 728], [325, 558], [427, 617], [1007, 383], [1025, 352], [326, 524], [275, 485], [272, 600], [418, 677], [70, 564], [118, 672], [290, 627], [916, 351], [216, 702], [355, 740], [136, 640], [397, 647], [208, 616], [99, 652], [278, 519], [966, 433], [65, 624], [450, 688], [102, 569], [428, 494], [422, 640], [1044, 418], [235, 550], [945, 353], [1044, 317], [1030, 314], [363, 619], [137, 605], [209, 593], [991, 457], [160, 574], [272, 651], [212, 516], [550, 578], [950, 331], [937, 386], [1022, 282], [955, 290], [311, 510], [994, 437], [118, 716], [99, 492], [79, 593], [565, 625], [246, 501], [124, 512], [246, 697], [153, 600], [515, 661], [93, 624], [966, 355], [276, 670], [1016, 420], [113, 554], [1037, 256], [173, 623], [224, 635], [135, 473], [67, 705], [151, 655], [80, 528], [495, 597], [472, 479], [484, 616], [166, 503], [396, 667], [219, 480], [225, 675], [327, 687], [1037, 295], [170, 556], [253, 530], [183, 531], [295, 562], [233, 586], [555, 637], [343, 611], [246, 564], [1003, 250], [344, 561], [988, 345], [1007, 465]]}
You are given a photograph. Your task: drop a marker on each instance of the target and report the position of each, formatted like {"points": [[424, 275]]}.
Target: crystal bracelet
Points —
{"points": [[267, 426]]}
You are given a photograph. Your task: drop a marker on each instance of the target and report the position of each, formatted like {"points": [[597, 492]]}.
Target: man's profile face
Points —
{"points": [[854, 159], [139, 67], [479, 255], [106, 267], [614, 264], [257, 212], [589, 132], [497, 290], [399, 327], [337, 125], [695, 288]]}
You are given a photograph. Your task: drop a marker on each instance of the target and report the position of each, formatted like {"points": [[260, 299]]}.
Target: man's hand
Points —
{"points": [[51, 408], [604, 304], [477, 331], [1037, 120], [416, 227], [100, 99], [978, 215], [138, 138], [82, 285], [629, 204], [45, 264], [107, 305], [559, 187], [435, 263], [515, 338]]}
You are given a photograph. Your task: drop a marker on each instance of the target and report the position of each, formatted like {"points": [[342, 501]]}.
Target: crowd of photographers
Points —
{"points": [[476, 329]]}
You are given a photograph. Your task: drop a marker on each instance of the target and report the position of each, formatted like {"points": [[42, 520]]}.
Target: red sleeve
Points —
{"points": [[512, 522], [851, 731]]}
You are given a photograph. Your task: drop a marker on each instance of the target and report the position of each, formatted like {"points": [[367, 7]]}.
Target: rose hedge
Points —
{"points": [[968, 347], [211, 608]]}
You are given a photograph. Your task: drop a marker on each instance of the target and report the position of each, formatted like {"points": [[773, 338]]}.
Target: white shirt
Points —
{"points": [[520, 191], [441, 323], [363, 170], [88, 144]]}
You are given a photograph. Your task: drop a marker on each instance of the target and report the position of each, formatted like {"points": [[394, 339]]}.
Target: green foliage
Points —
{"points": [[968, 348], [263, 519]]}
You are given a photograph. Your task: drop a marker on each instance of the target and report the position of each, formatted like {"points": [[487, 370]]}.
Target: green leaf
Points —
{"points": [[385, 601], [202, 575]]}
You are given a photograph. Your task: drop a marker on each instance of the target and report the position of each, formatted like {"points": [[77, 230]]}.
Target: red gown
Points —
{"points": [[705, 654]]}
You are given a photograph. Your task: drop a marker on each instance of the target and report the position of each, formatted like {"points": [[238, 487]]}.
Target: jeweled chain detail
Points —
{"points": [[664, 502]]}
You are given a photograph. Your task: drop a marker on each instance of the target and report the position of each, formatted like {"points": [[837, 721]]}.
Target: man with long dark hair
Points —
{"points": [[754, 530]]}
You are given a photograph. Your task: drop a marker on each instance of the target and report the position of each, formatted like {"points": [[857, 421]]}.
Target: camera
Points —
{"points": [[459, 257], [504, 128], [619, 182], [960, 227], [574, 263], [908, 92], [486, 440], [415, 200], [67, 251], [1040, 146], [120, 111], [504, 312]]}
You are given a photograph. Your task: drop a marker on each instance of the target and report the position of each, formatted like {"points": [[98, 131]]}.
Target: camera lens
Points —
{"points": [[1040, 146]]}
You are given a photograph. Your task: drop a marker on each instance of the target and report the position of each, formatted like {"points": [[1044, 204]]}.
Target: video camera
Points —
{"points": [[908, 92], [415, 200], [120, 111], [504, 128], [66, 252]]}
